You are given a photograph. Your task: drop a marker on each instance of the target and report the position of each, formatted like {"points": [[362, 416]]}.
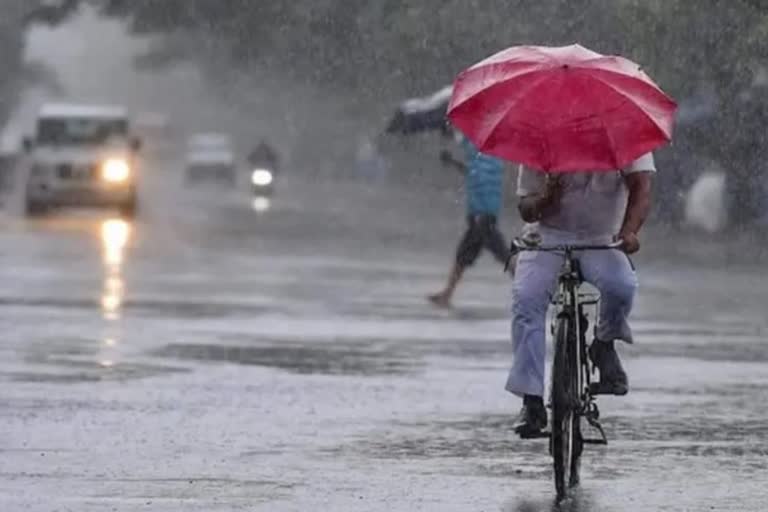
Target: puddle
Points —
{"points": [[385, 310], [155, 491], [331, 360], [486, 436], [677, 428], [756, 351], [78, 360], [90, 372], [486, 445], [157, 308], [580, 500]]}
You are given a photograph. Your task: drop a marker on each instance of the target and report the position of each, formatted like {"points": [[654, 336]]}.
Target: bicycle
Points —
{"points": [[573, 393]]}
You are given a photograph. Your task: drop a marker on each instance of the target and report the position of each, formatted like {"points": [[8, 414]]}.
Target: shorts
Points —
{"points": [[482, 232]]}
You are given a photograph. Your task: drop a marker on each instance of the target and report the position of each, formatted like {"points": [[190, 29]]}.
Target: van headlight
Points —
{"points": [[262, 177], [115, 170]]}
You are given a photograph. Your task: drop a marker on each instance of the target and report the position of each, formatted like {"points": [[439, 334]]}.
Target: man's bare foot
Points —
{"points": [[440, 300]]}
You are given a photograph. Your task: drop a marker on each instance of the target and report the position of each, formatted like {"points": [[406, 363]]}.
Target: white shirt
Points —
{"points": [[592, 206]]}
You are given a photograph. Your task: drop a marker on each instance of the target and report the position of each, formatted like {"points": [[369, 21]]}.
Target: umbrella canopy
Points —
{"points": [[418, 115], [561, 109]]}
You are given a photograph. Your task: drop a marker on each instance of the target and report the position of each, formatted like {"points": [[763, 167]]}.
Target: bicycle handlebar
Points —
{"points": [[522, 245]]}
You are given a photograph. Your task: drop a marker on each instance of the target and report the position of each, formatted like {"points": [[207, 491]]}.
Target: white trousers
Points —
{"points": [[534, 284]]}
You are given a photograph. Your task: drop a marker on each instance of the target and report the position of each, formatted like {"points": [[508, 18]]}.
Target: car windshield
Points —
{"points": [[76, 131]]}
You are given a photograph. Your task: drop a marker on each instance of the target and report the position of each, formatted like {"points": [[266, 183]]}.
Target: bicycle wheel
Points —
{"points": [[566, 445]]}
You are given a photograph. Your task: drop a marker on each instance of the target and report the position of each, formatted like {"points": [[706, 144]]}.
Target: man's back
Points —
{"points": [[592, 204]]}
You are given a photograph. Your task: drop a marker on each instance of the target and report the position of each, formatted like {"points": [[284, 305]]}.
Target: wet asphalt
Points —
{"points": [[211, 356]]}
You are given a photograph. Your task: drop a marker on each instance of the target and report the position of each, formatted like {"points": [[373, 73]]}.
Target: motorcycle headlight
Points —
{"points": [[115, 170], [262, 177]]}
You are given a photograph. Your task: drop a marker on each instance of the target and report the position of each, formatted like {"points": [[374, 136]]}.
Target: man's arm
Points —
{"points": [[638, 208], [534, 207]]}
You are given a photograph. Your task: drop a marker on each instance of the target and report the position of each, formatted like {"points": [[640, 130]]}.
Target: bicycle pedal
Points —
{"points": [[600, 388], [534, 435], [594, 423]]}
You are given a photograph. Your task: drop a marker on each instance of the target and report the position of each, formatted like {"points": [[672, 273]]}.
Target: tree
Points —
{"points": [[17, 15], [383, 50]]}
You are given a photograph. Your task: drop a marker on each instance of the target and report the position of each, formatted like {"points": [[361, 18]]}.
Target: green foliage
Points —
{"points": [[12, 21], [360, 43]]}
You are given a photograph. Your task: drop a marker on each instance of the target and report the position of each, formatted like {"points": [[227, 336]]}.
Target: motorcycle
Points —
{"points": [[263, 163], [262, 188], [262, 181]]}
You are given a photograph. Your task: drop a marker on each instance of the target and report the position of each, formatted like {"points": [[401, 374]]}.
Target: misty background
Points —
{"points": [[319, 79], [209, 355]]}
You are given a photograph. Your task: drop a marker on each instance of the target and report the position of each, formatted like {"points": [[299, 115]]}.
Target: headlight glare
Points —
{"points": [[116, 170], [261, 177]]}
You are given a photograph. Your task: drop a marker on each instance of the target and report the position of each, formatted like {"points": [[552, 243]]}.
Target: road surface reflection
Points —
{"points": [[115, 235], [261, 204]]}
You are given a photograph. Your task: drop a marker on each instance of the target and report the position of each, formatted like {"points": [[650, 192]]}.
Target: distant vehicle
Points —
{"points": [[211, 158], [210, 141], [82, 156], [264, 164], [262, 181]]}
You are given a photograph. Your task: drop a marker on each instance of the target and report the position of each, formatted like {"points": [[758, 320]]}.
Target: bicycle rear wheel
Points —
{"points": [[566, 442]]}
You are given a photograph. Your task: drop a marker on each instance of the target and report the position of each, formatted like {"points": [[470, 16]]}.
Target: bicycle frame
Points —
{"points": [[570, 300], [573, 395]]}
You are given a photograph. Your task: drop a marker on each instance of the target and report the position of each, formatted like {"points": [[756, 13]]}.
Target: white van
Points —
{"points": [[82, 156]]}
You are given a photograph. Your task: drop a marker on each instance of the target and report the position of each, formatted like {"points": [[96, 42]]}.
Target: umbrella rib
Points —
{"points": [[610, 142], [527, 90], [605, 130], [497, 84], [624, 95]]}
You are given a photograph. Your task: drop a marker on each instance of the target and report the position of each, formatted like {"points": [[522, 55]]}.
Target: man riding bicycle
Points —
{"points": [[576, 208]]}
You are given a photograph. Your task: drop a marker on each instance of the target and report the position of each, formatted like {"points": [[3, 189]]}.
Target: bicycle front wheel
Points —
{"points": [[566, 443]]}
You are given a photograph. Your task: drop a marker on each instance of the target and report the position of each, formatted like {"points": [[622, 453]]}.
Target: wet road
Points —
{"points": [[211, 357]]}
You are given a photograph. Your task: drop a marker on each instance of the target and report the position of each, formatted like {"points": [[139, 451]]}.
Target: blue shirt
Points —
{"points": [[483, 180]]}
